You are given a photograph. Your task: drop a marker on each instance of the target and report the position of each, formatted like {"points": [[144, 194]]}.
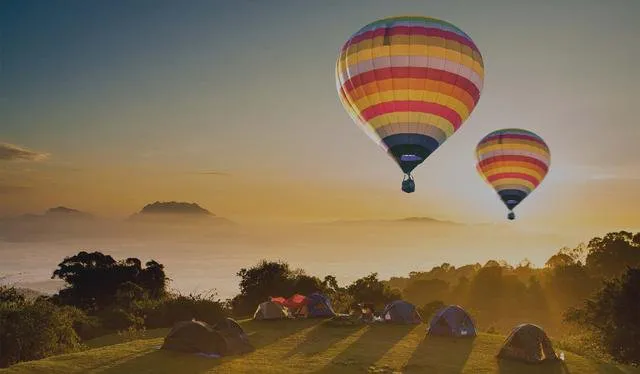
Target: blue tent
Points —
{"points": [[318, 305], [452, 321], [401, 311]]}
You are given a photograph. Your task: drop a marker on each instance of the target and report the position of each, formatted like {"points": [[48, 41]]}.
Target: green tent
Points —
{"points": [[194, 337], [528, 343], [271, 310]]}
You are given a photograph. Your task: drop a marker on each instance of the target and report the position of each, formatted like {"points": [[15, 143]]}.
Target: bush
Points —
{"points": [[612, 316], [167, 312], [34, 330], [429, 309], [584, 344], [116, 319]]}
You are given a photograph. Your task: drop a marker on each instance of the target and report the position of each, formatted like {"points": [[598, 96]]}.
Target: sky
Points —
{"points": [[107, 106]]}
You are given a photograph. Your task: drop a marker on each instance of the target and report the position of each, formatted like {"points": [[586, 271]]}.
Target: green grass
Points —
{"points": [[311, 346]]}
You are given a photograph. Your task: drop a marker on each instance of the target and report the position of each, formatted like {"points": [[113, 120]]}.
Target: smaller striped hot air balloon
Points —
{"points": [[513, 162]]}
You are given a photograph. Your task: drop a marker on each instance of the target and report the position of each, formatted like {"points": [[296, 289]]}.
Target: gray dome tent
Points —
{"points": [[226, 338], [528, 343], [194, 337]]}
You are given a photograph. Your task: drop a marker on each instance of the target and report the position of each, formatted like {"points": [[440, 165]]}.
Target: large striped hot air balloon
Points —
{"points": [[513, 162], [410, 83]]}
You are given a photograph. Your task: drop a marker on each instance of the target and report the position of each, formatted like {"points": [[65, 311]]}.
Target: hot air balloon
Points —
{"points": [[513, 162], [410, 83]]}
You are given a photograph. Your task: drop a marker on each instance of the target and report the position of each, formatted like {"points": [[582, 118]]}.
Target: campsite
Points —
{"points": [[311, 347]]}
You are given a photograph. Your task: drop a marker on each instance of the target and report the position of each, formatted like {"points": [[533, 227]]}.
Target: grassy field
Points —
{"points": [[311, 346]]}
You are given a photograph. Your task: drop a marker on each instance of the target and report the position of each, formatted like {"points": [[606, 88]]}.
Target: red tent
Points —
{"points": [[279, 300], [296, 302]]}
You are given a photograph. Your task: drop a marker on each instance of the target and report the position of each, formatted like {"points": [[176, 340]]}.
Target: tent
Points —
{"points": [[271, 310], [401, 311], [528, 343], [452, 320], [194, 337], [318, 305], [296, 304], [237, 341]]}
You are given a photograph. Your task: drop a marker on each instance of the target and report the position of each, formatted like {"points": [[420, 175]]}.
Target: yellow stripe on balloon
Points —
{"points": [[506, 140], [413, 95], [513, 182], [415, 41], [514, 147], [356, 57], [376, 87]]}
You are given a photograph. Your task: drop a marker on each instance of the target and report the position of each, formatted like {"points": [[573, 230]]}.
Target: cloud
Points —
{"points": [[214, 172], [10, 152], [6, 189]]}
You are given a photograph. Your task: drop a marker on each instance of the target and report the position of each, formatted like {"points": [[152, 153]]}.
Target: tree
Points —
{"points": [[370, 289], [94, 279], [268, 279], [428, 310], [612, 314], [609, 256], [570, 284], [422, 291]]}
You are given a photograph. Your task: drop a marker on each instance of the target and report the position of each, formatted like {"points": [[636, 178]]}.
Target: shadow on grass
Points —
{"points": [[435, 353], [261, 334], [368, 348], [321, 338], [517, 367], [111, 339]]}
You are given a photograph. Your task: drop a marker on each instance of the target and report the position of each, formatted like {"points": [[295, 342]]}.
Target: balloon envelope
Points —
{"points": [[514, 162], [410, 83]]}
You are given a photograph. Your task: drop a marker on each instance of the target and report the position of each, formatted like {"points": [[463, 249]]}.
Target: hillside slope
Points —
{"points": [[311, 346]]}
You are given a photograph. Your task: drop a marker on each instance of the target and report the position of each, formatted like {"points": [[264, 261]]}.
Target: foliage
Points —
{"points": [[612, 314], [94, 279], [174, 308], [30, 330], [430, 309], [611, 255], [371, 290], [269, 279]]}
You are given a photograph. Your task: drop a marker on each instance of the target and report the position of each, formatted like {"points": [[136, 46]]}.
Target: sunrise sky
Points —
{"points": [[106, 106]]}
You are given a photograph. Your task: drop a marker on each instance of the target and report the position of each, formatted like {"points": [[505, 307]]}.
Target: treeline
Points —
{"points": [[499, 295], [594, 287]]}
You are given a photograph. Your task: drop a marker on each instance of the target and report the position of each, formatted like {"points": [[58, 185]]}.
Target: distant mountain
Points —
{"points": [[59, 212], [175, 207], [420, 220], [172, 211], [63, 211], [54, 223]]}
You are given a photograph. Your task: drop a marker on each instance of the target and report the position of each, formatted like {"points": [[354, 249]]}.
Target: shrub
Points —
{"points": [[116, 319], [167, 312], [34, 330]]}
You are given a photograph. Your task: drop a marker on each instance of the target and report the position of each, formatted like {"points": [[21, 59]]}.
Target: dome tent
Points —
{"points": [[453, 321], [529, 343]]}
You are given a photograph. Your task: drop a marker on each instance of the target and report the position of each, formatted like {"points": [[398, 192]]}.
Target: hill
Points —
{"points": [[173, 211], [386, 222], [310, 346]]}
